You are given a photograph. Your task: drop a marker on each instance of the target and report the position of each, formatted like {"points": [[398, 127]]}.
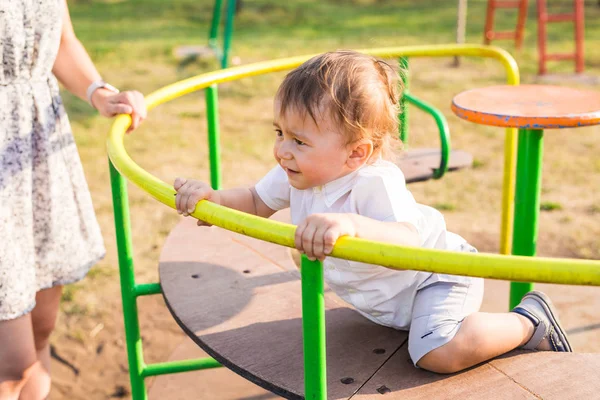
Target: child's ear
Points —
{"points": [[360, 152]]}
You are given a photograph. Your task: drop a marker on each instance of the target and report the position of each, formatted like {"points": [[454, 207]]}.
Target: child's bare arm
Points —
{"points": [[190, 192], [317, 234], [402, 233]]}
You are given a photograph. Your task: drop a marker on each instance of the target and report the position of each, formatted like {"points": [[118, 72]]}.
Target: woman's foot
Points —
{"points": [[547, 332]]}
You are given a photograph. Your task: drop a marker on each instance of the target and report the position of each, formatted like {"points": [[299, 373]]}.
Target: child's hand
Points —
{"points": [[316, 235], [189, 193]]}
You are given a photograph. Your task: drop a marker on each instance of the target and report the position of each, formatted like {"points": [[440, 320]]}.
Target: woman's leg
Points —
{"points": [[43, 319], [18, 355]]}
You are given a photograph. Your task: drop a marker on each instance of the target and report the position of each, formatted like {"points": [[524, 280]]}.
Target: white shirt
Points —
{"points": [[377, 191]]}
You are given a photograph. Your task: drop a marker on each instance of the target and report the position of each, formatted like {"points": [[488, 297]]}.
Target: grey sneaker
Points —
{"points": [[539, 309]]}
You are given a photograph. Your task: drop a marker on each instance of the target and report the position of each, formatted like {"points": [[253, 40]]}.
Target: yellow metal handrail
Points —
{"points": [[582, 272]]}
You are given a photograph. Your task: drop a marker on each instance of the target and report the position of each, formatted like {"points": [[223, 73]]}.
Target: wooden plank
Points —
{"points": [[553, 376], [399, 379], [251, 321], [216, 383]]}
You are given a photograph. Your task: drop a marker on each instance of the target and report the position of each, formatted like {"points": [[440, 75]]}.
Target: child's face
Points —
{"points": [[311, 154]]}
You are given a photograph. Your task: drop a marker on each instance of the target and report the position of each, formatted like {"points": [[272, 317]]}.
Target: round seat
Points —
{"points": [[239, 299], [529, 106]]}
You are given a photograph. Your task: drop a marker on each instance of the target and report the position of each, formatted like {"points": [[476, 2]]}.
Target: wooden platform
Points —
{"points": [[210, 384], [418, 164], [239, 299]]}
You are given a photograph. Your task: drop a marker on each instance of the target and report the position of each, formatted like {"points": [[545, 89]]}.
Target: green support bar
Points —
{"points": [[213, 42], [443, 128], [403, 61], [313, 330], [214, 25], [527, 202], [174, 367], [135, 354], [138, 370], [228, 32], [146, 289], [214, 150]]}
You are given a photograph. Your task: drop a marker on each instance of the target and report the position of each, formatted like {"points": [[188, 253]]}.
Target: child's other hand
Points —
{"points": [[189, 193], [316, 235]]}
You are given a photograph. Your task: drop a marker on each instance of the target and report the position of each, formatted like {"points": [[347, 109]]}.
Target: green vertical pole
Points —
{"points": [[313, 330], [130, 312], [403, 104], [527, 202], [228, 32], [214, 151], [214, 25]]}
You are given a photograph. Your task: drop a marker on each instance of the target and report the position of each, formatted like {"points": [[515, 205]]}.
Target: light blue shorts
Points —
{"points": [[438, 312]]}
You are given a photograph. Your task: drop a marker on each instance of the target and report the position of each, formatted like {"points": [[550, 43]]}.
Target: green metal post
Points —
{"points": [[442, 125], [527, 202], [313, 330], [403, 105], [146, 289], [214, 25], [174, 367], [130, 312], [228, 32], [214, 151]]}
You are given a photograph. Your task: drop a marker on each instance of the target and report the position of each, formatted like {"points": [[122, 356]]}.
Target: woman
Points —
{"points": [[49, 235]]}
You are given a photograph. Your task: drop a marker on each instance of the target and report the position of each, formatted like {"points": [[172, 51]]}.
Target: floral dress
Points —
{"points": [[48, 231]]}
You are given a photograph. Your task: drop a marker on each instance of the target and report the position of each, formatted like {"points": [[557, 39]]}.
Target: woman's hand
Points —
{"points": [[316, 235], [110, 104]]}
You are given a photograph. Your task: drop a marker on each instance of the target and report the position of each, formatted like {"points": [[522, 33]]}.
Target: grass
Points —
{"points": [[444, 206], [132, 43]]}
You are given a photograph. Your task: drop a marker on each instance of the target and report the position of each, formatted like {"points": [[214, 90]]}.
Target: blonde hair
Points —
{"points": [[360, 92]]}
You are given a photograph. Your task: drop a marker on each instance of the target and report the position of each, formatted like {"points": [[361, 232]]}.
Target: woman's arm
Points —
{"points": [[75, 70]]}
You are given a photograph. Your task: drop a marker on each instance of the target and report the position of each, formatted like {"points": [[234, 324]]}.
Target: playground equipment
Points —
{"points": [[531, 108], [424, 164], [220, 52], [577, 18], [260, 316], [543, 18], [489, 34]]}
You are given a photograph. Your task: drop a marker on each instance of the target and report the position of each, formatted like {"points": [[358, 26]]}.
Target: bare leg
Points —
{"points": [[481, 336], [43, 319], [17, 352]]}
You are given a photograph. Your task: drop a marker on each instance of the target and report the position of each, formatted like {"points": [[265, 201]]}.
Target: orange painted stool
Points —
{"points": [[531, 108]]}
